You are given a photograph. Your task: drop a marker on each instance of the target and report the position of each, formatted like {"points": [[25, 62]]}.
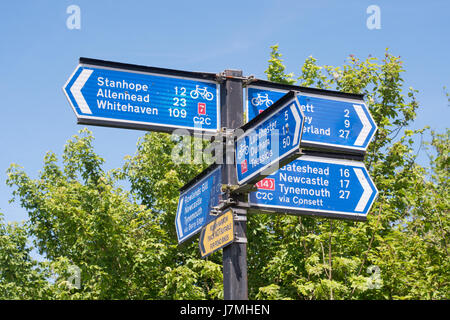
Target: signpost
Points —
{"points": [[269, 140], [136, 97], [147, 98], [319, 186], [333, 121], [196, 201], [217, 234]]}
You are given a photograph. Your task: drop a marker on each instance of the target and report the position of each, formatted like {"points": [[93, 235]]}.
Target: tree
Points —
{"points": [[80, 217], [310, 258], [275, 72], [20, 276], [77, 214], [124, 242]]}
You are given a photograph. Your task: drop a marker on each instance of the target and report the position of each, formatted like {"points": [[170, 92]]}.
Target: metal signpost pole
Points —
{"points": [[235, 255]]}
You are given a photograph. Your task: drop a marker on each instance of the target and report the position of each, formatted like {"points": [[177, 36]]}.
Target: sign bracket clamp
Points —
{"points": [[239, 239]]}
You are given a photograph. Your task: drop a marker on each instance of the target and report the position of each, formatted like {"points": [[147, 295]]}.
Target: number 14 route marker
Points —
{"points": [[318, 186]]}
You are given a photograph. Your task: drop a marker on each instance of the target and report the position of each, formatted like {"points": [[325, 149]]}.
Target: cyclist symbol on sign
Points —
{"points": [[243, 150], [203, 92], [261, 99]]}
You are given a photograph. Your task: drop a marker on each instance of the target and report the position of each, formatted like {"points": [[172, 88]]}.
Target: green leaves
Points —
{"points": [[275, 71], [324, 263], [124, 242], [196, 279], [78, 214]]}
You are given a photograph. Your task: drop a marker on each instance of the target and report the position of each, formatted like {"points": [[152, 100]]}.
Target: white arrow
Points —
{"points": [[298, 123], [366, 187], [76, 90], [180, 206], [366, 125]]}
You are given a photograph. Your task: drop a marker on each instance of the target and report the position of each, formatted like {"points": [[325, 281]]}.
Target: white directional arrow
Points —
{"points": [[366, 125], [180, 229], [298, 122], [366, 187], [76, 90]]}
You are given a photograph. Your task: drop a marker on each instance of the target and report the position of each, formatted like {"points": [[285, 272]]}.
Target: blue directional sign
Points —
{"points": [[195, 204], [317, 186], [272, 139], [330, 122], [148, 99]]}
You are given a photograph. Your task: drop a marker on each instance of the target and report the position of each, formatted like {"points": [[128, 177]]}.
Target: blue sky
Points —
{"points": [[39, 53]]}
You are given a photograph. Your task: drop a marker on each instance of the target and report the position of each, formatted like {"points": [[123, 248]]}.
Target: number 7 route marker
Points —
{"points": [[113, 94]]}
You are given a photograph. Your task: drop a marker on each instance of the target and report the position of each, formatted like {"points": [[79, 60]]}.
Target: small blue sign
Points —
{"points": [[330, 122], [316, 185], [269, 142], [133, 99], [195, 204]]}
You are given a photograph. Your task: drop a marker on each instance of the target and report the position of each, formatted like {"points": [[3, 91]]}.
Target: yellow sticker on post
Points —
{"points": [[217, 234]]}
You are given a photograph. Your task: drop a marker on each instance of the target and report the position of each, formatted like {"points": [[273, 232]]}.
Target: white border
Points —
{"points": [[286, 154], [143, 122], [257, 87], [181, 196], [349, 100], [324, 160]]}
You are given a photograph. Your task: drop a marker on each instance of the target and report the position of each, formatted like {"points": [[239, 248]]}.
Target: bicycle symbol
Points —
{"points": [[203, 92], [261, 99], [243, 150]]}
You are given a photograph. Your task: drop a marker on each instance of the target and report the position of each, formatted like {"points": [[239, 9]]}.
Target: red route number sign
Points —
{"points": [[201, 108], [266, 184]]}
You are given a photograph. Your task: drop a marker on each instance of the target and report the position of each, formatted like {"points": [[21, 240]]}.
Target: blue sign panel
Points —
{"points": [[330, 122], [195, 204], [269, 141], [133, 99], [319, 186]]}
